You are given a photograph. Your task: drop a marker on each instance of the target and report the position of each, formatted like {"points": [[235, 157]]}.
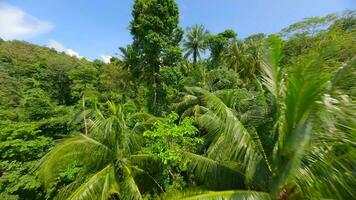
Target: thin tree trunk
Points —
{"points": [[154, 91], [84, 116], [154, 88], [195, 57]]}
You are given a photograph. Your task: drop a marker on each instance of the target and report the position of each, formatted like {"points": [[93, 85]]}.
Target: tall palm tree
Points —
{"points": [[311, 154], [244, 58], [254, 59], [130, 60], [195, 44], [235, 54], [106, 158]]}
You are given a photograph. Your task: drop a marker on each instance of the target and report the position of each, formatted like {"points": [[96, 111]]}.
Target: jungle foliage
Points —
{"points": [[177, 115]]}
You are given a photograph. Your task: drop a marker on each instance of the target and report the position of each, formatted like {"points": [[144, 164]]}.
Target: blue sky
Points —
{"points": [[92, 28]]}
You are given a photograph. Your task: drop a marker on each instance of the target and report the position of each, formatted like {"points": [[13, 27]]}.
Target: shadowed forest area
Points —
{"points": [[184, 114]]}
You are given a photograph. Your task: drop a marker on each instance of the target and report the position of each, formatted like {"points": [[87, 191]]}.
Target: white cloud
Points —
{"points": [[71, 52], [106, 58], [60, 48], [56, 45], [17, 24]]}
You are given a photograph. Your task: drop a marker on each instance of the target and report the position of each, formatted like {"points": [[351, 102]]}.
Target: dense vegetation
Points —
{"points": [[184, 115]]}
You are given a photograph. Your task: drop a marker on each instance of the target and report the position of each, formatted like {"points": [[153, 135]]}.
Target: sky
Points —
{"points": [[94, 29]]}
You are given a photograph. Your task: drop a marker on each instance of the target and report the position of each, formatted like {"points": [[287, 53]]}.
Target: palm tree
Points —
{"points": [[254, 59], [194, 44], [311, 151], [244, 58], [235, 54], [130, 60], [106, 158]]}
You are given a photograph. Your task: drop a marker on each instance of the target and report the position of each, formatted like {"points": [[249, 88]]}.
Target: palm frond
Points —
{"points": [[131, 142], [64, 192], [143, 121], [232, 194], [193, 111], [326, 175], [99, 186], [343, 79], [150, 182], [109, 128], [151, 163], [304, 87], [271, 71], [128, 187], [327, 167], [188, 101], [78, 149], [215, 174], [237, 142]]}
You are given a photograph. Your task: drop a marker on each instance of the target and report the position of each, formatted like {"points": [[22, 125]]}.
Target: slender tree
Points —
{"points": [[194, 43], [235, 54], [244, 57], [156, 37]]}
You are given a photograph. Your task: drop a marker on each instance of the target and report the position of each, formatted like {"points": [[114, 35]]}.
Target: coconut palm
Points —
{"points": [[311, 151], [195, 44], [235, 55], [253, 60], [244, 58], [106, 158], [130, 60]]}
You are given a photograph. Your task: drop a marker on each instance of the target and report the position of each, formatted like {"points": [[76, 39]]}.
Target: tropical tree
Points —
{"points": [[217, 44], [235, 55], [116, 78], [309, 153], [253, 59], [130, 60], [194, 43], [156, 36], [244, 57], [105, 160], [309, 26], [169, 140]]}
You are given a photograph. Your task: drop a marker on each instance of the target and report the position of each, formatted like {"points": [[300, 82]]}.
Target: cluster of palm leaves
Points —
{"points": [[310, 148], [108, 158], [243, 57], [195, 44]]}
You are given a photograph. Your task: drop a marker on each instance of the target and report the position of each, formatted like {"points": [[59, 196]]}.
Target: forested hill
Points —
{"points": [[23, 64], [264, 117], [35, 100]]}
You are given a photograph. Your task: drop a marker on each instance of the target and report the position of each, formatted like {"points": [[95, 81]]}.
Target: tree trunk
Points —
{"points": [[195, 54], [154, 92], [84, 116], [154, 88]]}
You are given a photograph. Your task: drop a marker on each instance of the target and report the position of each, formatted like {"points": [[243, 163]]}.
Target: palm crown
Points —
{"points": [[108, 154], [296, 159], [195, 44]]}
